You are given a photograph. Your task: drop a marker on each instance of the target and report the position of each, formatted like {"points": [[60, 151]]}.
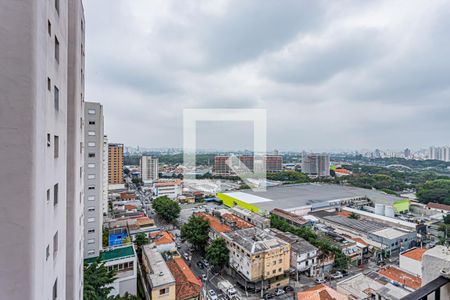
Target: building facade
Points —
{"points": [[149, 168], [93, 179], [115, 161], [105, 166], [273, 163], [440, 153], [41, 153], [316, 165], [258, 259]]}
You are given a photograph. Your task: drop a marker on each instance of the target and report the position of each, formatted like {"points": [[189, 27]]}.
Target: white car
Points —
{"points": [[204, 277], [279, 292], [212, 295], [186, 256], [320, 280]]}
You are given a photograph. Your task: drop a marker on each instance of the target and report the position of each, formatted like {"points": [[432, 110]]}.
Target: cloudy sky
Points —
{"points": [[331, 74]]}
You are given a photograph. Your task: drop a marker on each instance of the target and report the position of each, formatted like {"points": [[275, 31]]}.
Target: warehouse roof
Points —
{"points": [[289, 197]]}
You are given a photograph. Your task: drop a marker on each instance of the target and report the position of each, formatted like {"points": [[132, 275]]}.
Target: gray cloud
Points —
{"points": [[346, 74]]}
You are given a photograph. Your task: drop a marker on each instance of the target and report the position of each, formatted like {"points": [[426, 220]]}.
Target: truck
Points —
{"points": [[227, 289]]}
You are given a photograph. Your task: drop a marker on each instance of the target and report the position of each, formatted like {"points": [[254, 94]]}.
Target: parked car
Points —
{"points": [[205, 262], [320, 280], [288, 288], [204, 277], [200, 265], [344, 273], [268, 296], [212, 295], [186, 256], [279, 292], [337, 275]]}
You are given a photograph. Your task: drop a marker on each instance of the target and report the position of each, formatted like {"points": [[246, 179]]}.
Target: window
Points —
{"points": [[91, 209], [56, 49], [91, 198], [91, 252], [91, 111], [55, 194], [82, 25], [49, 140], [56, 146], [91, 176], [91, 220], [55, 244], [91, 230], [49, 28], [57, 6], [91, 122], [91, 133], [55, 290], [91, 144], [48, 194], [91, 166], [91, 155], [56, 97], [163, 291], [47, 252], [91, 187], [91, 241], [49, 84]]}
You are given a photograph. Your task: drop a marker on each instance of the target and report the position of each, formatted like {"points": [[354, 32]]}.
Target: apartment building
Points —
{"points": [[273, 163], [258, 259], [316, 165], [115, 161], [93, 179], [41, 153], [149, 168], [105, 166]]}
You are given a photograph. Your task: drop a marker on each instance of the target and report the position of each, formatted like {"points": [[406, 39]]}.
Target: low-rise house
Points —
{"points": [[158, 278], [164, 241], [370, 286], [235, 222], [124, 261], [321, 292], [411, 261], [251, 217], [407, 280], [188, 286], [258, 259], [217, 227], [291, 218], [128, 196], [303, 254]]}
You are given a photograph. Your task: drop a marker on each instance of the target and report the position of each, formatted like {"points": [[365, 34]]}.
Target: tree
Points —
{"points": [[124, 297], [434, 191], [167, 209], [217, 253], [195, 231], [141, 239], [353, 216], [447, 219], [96, 280]]}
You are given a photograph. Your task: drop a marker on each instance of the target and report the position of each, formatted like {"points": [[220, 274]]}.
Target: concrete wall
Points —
{"points": [[433, 261], [30, 169], [411, 265], [93, 198]]}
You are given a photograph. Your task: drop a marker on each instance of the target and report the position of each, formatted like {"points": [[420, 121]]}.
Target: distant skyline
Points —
{"points": [[332, 75]]}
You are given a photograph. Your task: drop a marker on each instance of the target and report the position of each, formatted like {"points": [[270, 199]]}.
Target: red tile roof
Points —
{"points": [[415, 253], [321, 292], [360, 240], [214, 223], [438, 206], [186, 284], [239, 223], [162, 237], [344, 214], [401, 277]]}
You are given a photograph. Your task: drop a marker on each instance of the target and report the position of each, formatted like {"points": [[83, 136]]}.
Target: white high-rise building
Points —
{"points": [[105, 175], [93, 179], [41, 149], [149, 168], [316, 165], [440, 153]]}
